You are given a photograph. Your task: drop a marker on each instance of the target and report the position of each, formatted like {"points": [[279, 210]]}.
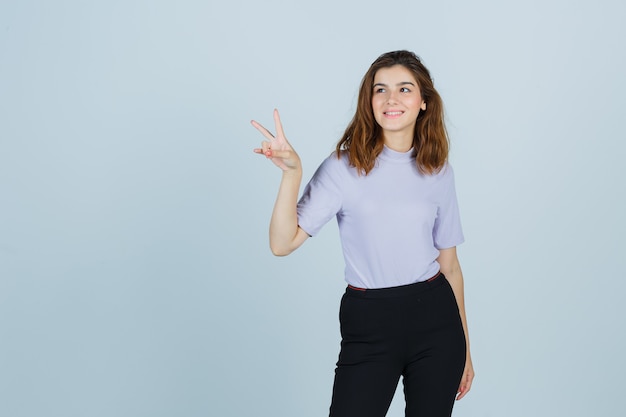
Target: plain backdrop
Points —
{"points": [[135, 273]]}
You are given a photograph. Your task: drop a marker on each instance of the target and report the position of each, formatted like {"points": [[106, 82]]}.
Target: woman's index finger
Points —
{"points": [[263, 130]]}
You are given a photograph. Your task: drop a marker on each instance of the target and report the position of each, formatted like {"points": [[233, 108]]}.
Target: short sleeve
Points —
{"points": [[447, 231], [321, 199]]}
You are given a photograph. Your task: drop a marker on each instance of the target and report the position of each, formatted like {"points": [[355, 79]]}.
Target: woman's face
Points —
{"points": [[396, 100]]}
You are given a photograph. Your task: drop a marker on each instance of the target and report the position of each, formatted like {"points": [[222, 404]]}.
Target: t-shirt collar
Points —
{"points": [[391, 155]]}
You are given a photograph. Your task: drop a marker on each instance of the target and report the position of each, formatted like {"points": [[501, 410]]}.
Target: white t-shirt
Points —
{"points": [[392, 222]]}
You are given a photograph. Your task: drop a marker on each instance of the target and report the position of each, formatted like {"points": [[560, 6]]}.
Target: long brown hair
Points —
{"points": [[363, 140]]}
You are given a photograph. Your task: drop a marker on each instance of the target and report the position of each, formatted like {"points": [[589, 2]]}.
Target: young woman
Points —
{"points": [[392, 191]]}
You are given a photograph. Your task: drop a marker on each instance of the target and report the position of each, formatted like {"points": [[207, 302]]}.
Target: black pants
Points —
{"points": [[414, 331]]}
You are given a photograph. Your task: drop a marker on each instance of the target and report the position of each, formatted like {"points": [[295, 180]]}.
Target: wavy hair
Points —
{"points": [[363, 141]]}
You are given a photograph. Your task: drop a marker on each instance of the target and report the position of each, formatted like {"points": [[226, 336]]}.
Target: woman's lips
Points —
{"points": [[393, 114]]}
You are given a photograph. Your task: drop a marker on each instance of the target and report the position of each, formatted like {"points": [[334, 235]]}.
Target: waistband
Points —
{"points": [[400, 291]]}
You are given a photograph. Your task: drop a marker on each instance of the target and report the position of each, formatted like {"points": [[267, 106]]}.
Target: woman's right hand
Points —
{"points": [[277, 148], [285, 234]]}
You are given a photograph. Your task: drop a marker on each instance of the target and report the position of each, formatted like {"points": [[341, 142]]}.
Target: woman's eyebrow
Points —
{"points": [[399, 84]]}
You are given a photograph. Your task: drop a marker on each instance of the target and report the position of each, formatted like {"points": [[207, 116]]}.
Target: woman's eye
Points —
{"points": [[379, 90], [405, 90]]}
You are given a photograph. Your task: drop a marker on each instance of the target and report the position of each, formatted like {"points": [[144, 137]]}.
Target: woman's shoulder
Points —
{"points": [[335, 166], [335, 161], [446, 171], [444, 176]]}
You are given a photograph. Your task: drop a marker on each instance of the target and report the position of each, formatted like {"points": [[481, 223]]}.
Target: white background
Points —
{"points": [[135, 274]]}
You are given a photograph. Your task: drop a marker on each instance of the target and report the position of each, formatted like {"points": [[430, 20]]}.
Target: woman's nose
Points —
{"points": [[392, 98]]}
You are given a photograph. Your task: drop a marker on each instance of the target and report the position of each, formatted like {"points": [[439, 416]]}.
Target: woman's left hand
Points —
{"points": [[466, 380]]}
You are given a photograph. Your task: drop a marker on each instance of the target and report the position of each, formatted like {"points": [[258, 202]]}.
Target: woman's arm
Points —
{"points": [[285, 235], [451, 268]]}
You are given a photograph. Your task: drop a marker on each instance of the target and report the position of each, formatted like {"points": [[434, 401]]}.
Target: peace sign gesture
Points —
{"points": [[277, 148]]}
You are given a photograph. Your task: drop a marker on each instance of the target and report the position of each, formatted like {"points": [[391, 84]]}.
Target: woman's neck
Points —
{"points": [[398, 141]]}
